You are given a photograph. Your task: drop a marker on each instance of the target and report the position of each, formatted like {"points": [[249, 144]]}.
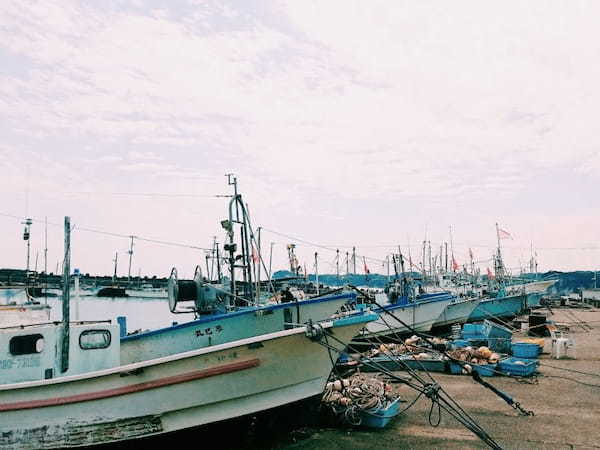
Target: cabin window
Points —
{"points": [[94, 339], [27, 344]]}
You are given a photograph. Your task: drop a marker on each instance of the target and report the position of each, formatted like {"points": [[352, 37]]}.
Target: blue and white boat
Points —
{"points": [[501, 306], [219, 328], [458, 311], [404, 315], [227, 309]]}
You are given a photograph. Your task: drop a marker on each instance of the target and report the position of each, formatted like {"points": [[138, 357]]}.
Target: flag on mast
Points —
{"points": [[490, 274], [366, 268], [504, 234], [454, 264]]}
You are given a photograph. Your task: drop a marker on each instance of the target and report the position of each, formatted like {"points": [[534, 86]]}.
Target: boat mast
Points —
{"points": [[46, 245], [317, 271], [499, 263], [244, 236], [66, 297]]}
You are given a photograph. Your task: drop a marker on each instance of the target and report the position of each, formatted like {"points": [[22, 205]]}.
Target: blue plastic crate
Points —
{"points": [[493, 330], [455, 368], [485, 370], [478, 341], [379, 418], [517, 366], [525, 350], [472, 330], [499, 345], [459, 343]]}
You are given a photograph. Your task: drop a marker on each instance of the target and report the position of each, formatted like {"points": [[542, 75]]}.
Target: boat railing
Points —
{"points": [[55, 322]]}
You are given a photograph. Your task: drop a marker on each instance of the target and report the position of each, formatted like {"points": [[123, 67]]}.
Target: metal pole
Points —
{"points": [[259, 264], [317, 272], [130, 256], [388, 267], [218, 262], [354, 260], [115, 273], [347, 268], [65, 297], [46, 245], [270, 261]]}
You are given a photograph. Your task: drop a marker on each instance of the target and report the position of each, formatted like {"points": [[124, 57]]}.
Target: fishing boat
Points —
{"points": [[458, 311], [67, 384], [402, 317], [218, 323], [18, 307], [52, 396], [233, 308], [500, 306]]}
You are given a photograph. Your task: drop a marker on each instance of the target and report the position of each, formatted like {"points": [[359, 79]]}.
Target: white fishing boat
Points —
{"points": [[214, 327], [457, 311], [403, 318], [147, 291], [56, 398], [225, 309], [18, 308]]}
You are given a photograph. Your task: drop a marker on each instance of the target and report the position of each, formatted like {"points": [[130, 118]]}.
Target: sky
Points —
{"points": [[347, 124]]}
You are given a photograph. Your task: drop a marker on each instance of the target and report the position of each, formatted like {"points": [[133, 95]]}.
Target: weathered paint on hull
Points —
{"points": [[419, 316], [227, 327], [498, 307], [167, 394], [457, 312]]}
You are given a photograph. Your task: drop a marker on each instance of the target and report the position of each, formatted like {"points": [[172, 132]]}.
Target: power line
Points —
{"points": [[113, 234], [332, 249]]}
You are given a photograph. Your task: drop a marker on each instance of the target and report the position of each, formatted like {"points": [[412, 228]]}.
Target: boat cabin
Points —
{"points": [[34, 352]]}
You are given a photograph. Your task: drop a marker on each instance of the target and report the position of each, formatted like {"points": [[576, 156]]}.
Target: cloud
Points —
{"points": [[405, 110]]}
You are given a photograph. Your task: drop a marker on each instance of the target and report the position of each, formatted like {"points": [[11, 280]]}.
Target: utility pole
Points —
{"points": [[130, 256], [115, 273], [66, 297], [26, 236]]}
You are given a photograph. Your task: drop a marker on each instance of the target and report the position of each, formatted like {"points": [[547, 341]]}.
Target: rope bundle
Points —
{"points": [[348, 397]]}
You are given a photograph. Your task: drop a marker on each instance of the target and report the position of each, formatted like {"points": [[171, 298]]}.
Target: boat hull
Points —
{"points": [[419, 316], [168, 394], [508, 306], [218, 329], [456, 312]]}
